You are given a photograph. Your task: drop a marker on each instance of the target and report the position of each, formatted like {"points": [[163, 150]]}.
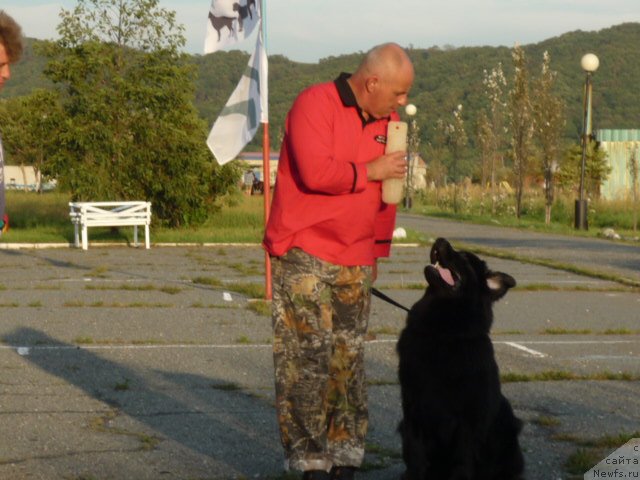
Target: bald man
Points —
{"points": [[10, 52], [327, 227]]}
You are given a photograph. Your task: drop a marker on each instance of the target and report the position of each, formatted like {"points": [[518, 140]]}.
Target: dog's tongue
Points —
{"points": [[445, 274]]}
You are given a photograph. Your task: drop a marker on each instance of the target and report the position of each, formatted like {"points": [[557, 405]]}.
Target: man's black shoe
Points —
{"points": [[343, 473], [316, 475]]}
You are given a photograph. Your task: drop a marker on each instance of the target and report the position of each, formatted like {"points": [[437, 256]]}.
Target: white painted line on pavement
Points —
{"points": [[574, 342], [25, 350], [533, 353]]}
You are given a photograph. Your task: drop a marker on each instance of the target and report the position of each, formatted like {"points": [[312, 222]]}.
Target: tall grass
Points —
{"points": [[45, 217], [480, 205], [38, 217]]}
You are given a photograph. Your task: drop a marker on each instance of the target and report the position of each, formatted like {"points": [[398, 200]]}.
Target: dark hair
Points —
{"points": [[10, 36]]}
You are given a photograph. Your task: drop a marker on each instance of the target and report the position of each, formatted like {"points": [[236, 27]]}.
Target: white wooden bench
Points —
{"points": [[109, 214]]}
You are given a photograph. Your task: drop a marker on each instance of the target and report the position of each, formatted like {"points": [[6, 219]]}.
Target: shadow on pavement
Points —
{"points": [[206, 415]]}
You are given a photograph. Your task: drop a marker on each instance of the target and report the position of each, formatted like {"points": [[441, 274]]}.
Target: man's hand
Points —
{"points": [[390, 165]]}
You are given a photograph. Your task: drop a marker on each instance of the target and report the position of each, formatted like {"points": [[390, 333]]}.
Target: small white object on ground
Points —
{"points": [[399, 233]]}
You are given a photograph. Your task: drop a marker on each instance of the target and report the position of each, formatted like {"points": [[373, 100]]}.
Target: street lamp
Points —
{"points": [[411, 110], [589, 64]]}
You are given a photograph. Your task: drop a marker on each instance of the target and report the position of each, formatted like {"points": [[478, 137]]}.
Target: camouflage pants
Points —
{"points": [[320, 317]]}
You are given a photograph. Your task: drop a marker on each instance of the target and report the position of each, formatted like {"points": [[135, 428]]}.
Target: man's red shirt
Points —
{"points": [[323, 202]]}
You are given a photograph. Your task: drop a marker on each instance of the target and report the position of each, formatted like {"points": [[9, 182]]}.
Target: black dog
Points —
{"points": [[457, 424]]}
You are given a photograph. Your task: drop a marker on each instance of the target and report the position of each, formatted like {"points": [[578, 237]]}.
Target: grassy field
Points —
{"points": [[43, 218], [479, 206]]}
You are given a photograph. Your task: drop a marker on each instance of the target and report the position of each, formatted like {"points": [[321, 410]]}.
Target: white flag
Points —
{"points": [[230, 22], [246, 108]]}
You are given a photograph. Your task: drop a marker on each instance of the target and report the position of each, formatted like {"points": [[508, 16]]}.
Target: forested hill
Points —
{"points": [[445, 77]]}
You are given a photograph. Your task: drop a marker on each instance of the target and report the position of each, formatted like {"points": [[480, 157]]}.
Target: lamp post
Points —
{"points": [[411, 111], [589, 64]]}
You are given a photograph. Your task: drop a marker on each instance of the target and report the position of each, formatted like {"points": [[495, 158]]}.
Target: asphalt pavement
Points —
{"points": [[125, 363]]}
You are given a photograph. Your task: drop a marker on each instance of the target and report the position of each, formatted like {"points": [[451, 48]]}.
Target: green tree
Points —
{"points": [[456, 140], [491, 125], [29, 127], [548, 113], [130, 129], [491, 130], [521, 123], [596, 169]]}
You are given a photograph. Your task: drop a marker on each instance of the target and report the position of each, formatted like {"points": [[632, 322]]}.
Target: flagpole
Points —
{"points": [[266, 169]]}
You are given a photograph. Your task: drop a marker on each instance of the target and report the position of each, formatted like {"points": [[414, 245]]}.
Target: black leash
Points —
{"points": [[377, 293]]}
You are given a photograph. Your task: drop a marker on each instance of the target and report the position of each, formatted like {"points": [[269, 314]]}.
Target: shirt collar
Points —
{"points": [[348, 97]]}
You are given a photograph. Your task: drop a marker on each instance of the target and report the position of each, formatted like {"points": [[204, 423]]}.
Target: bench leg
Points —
{"points": [[76, 235], [135, 235], [85, 239], [146, 237]]}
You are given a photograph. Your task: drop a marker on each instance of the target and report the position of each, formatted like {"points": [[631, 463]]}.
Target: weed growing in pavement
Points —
{"points": [[211, 281], [582, 460], [102, 304], [83, 341], [563, 331], [246, 269], [559, 375], [226, 387], [591, 451], [620, 331], [99, 272], [73, 303], [123, 385], [104, 424], [249, 290], [170, 290], [384, 331], [48, 287], [379, 382], [261, 307], [546, 421]]}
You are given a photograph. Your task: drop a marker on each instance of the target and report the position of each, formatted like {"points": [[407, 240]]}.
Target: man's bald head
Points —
{"points": [[385, 60], [383, 80]]}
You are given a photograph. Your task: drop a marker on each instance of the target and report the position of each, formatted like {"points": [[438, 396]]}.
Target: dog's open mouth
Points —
{"points": [[440, 265], [446, 274]]}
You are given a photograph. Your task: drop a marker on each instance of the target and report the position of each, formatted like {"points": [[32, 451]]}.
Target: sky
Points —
{"points": [[308, 30]]}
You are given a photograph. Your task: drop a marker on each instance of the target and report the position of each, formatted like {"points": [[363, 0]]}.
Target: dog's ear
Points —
{"points": [[499, 283]]}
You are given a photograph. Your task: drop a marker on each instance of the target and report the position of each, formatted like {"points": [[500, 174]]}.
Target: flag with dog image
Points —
{"points": [[245, 110], [230, 22]]}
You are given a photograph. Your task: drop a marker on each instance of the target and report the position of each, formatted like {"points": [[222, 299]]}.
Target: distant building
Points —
{"points": [[621, 146], [25, 177], [254, 161]]}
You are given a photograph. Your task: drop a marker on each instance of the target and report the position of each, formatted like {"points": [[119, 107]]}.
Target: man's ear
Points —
{"points": [[499, 283], [371, 83]]}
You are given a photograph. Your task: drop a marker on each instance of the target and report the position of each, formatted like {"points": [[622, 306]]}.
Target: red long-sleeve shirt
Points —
{"points": [[323, 202]]}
